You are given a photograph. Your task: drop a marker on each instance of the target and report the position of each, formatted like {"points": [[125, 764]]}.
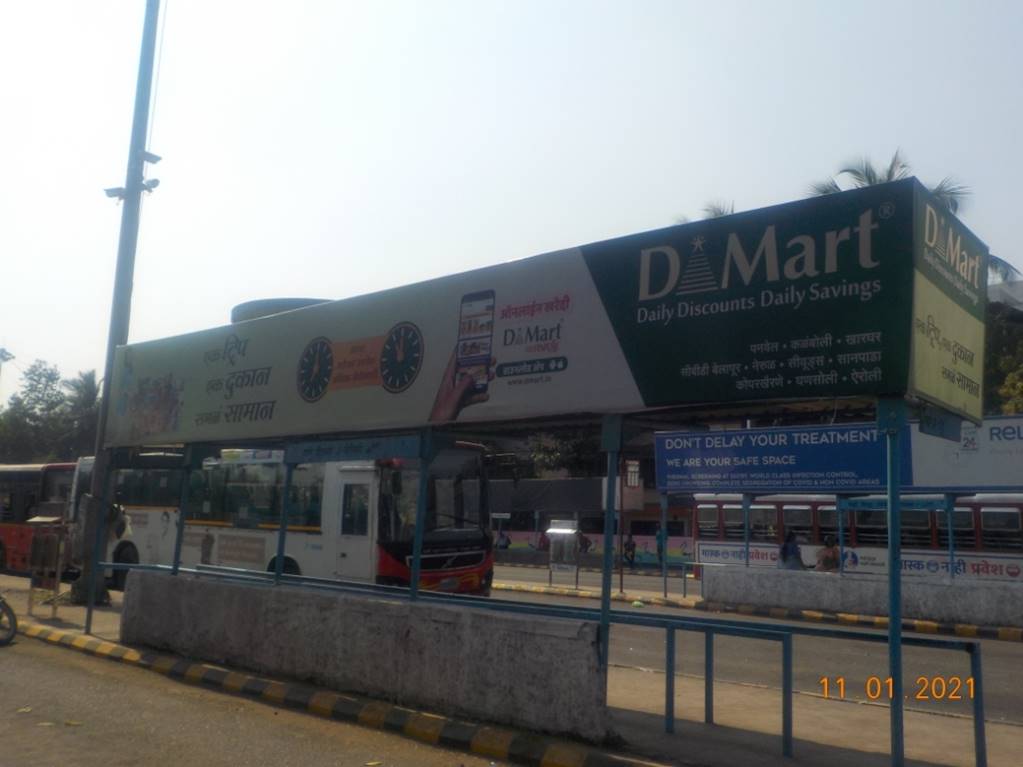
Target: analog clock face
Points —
{"points": [[315, 367], [401, 358]]}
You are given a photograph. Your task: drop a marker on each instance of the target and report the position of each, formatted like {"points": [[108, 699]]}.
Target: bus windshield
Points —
{"points": [[454, 501]]}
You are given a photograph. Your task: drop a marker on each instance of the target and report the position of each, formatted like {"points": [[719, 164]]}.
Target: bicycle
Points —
{"points": [[8, 622]]}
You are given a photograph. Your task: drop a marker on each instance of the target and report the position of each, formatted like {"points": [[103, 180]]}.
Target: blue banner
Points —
{"points": [[805, 459]]}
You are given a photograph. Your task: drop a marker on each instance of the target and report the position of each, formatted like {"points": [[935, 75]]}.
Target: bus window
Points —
{"points": [[306, 496], [1000, 529], [962, 525], [733, 522], [916, 528], [763, 521], [827, 524], [707, 521], [355, 510], [798, 520], [872, 527]]}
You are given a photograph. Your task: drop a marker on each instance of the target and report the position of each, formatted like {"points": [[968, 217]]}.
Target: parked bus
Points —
{"points": [[987, 532], [27, 491], [351, 520]]}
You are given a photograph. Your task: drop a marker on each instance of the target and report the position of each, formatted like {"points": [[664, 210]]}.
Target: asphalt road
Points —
{"points": [[750, 661], [61, 707]]}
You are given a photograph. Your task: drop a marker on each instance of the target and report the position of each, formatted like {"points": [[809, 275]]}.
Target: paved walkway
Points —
{"points": [[747, 718]]}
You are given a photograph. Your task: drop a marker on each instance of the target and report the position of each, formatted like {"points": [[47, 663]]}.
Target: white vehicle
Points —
{"points": [[352, 520]]}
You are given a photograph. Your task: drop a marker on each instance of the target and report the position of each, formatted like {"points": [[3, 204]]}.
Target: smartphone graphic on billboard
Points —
{"points": [[475, 339]]}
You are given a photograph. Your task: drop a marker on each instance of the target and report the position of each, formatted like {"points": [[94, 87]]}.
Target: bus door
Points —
{"points": [[356, 549]]}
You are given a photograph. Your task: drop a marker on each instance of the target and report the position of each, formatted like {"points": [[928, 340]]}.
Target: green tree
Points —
{"points": [[1003, 360], [32, 422], [949, 192]]}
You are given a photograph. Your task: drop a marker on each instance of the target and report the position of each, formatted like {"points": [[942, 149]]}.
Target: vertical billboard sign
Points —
{"points": [[949, 305]]}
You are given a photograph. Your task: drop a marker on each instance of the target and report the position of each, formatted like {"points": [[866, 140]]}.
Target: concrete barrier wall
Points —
{"points": [[540, 674], [961, 601]]}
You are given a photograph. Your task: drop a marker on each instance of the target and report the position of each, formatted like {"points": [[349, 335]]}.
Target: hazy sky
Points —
{"points": [[331, 148]]}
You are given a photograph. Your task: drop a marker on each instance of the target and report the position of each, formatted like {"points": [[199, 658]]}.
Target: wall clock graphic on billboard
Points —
{"points": [[315, 367], [401, 357]]}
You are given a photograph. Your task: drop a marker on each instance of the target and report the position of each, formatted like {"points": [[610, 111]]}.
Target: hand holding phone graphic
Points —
{"points": [[475, 339]]}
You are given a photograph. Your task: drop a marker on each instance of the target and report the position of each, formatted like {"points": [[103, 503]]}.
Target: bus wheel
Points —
{"points": [[126, 555], [290, 566]]}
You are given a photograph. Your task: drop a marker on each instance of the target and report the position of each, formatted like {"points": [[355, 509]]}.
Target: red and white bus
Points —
{"points": [[352, 520], [987, 532], [27, 491]]}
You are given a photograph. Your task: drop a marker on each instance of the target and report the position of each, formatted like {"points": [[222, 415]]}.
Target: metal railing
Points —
{"points": [[670, 624]]}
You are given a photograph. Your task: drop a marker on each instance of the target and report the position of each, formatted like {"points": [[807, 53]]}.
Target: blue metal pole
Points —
{"points": [[283, 529], [840, 513], [179, 534], [98, 553], [979, 738], [664, 559], [611, 442], [891, 413], [786, 691], [745, 524], [422, 497], [669, 683], [708, 676], [950, 506]]}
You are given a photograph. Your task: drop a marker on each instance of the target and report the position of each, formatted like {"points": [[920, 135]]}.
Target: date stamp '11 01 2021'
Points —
{"points": [[925, 688]]}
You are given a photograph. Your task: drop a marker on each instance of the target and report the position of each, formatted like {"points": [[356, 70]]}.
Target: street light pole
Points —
{"points": [[120, 310]]}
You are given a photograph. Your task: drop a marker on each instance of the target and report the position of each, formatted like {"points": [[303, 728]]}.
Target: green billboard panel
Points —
{"points": [[807, 299]]}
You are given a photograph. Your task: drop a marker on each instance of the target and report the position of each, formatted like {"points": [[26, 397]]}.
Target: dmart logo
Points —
{"points": [[802, 256]]}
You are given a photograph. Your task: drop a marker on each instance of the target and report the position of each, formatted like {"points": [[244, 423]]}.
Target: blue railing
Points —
{"points": [[671, 624]]}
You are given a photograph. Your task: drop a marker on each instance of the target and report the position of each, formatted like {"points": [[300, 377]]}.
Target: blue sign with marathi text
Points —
{"points": [[805, 459]]}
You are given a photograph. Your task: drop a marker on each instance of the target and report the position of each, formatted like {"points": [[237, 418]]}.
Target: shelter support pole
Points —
{"points": [[840, 514], [745, 524], [891, 419], [282, 532], [664, 559], [611, 443], [425, 458], [950, 507], [179, 533]]}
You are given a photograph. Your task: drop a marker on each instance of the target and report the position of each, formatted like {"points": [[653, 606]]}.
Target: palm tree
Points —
{"points": [[948, 191], [81, 412]]}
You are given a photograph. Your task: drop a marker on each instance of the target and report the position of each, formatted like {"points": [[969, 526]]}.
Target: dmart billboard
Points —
{"points": [[867, 292]]}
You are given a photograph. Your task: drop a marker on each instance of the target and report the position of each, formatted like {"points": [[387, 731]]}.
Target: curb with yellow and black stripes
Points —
{"points": [[967, 630], [482, 740]]}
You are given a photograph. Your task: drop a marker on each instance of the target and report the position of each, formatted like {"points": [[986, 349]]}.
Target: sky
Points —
{"points": [[329, 149]]}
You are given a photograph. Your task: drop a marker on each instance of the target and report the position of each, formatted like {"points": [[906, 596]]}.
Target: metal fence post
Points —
{"points": [[840, 513], [786, 691], [611, 443], [950, 506], [891, 417], [425, 458], [664, 558], [708, 676], [745, 524], [179, 533], [282, 531], [979, 738], [669, 683]]}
